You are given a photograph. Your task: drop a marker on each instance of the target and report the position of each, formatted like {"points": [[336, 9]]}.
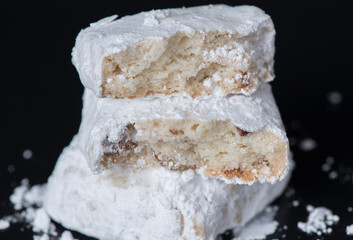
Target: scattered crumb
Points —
{"points": [[11, 168], [41, 221], [41, 237], [330, 160], [334, 97], [333, 175], [295, 203], [328, 164], [325, 167], [17, 197], [319, 221], [349, 230], [261, 226], [4, 224], [290, 192], [66, 235], [309, 208], [27, 154], [307, 144], [28, 202]]}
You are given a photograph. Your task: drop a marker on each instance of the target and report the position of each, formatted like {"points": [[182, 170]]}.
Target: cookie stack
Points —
{"points": [[180, 131]]}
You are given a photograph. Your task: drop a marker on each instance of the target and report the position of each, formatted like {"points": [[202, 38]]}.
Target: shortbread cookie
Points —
{"points": [[194, 50], [237, 138], [149, 204]]}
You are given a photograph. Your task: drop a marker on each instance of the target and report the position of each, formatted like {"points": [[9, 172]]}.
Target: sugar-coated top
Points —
{"points": [[109, 36]]}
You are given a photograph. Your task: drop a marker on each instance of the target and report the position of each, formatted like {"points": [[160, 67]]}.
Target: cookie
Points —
{"points": [[199, 51], [239, 139], [150, 203]]}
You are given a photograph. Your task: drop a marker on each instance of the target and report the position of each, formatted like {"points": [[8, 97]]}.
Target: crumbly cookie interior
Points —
{"points": [[219, 147], [192, 63]]}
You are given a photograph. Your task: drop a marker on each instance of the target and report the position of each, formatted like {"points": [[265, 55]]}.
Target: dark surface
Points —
{"points": [[41, 96]]}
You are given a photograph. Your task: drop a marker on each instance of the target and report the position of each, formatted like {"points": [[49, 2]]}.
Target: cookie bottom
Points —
{"points": [[149, 203]]}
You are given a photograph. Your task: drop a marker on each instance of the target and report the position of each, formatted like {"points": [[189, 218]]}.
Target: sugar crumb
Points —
{"points": [[295, 203], [41, 221], [28, 202], [319, 221], [41, 237], [307, 144], [66, 235], [325, 167], [349, 230], [27, 154], [4, 224], [333, 175]]}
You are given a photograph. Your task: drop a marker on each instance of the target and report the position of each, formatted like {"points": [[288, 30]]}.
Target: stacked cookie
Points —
{"points": [[177, 122]]}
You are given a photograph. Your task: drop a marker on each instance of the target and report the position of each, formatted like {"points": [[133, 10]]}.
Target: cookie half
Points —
{"points": [[199, 51], [236, 138]]}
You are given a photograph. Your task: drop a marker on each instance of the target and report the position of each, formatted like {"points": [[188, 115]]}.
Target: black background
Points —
{"points": [[41, 95]]}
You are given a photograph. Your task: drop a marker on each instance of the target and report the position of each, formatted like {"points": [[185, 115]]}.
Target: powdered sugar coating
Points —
{"points": [[149, 203], [107, 36], [105, 118]]}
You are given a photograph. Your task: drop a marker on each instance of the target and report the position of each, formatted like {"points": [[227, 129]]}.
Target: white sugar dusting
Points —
{"points": [[259, 227], [319, 221], [349, 230], [308, 144]]}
